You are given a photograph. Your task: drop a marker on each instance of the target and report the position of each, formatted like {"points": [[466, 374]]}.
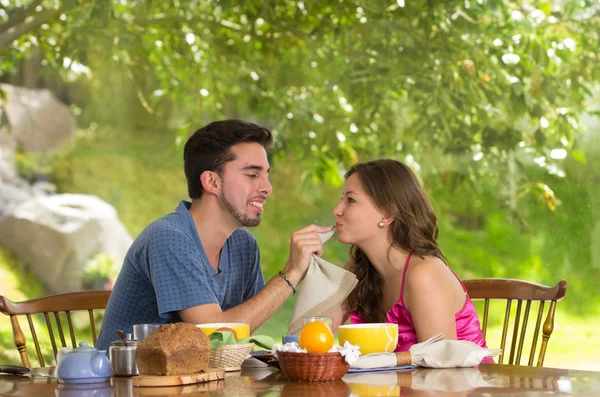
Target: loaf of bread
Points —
{"points": [[174, 349]]}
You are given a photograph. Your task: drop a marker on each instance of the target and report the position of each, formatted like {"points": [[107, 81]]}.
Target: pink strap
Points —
{"points": [[460, 281], [404, 277]]}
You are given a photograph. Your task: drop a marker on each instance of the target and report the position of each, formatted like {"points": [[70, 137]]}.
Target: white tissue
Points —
{"points": [[288, 347], [349, 351]]}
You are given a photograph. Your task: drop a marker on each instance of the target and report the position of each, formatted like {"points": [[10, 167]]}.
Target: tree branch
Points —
{"points": [[20, 15], [170, 19], [38, 20]]}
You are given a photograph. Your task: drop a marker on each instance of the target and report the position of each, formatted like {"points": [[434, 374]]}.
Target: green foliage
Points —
{"points": [[338, 81], [98, 270], [31, 164]]}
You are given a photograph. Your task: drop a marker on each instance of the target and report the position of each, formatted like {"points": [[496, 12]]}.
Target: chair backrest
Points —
{"points": [[52, 306], [519, 291]]}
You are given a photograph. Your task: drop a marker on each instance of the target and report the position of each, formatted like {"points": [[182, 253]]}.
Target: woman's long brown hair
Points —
{"points": [[395, 190]]}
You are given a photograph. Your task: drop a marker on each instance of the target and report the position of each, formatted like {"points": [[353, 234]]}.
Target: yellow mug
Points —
{"points": [[241, 329], [370, 337]]}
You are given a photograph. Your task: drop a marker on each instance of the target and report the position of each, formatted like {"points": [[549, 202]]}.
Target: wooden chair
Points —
{"points": [[55, 304], [520, 291]]}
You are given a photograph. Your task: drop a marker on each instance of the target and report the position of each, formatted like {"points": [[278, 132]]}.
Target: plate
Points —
{"points": [[263, 355]]}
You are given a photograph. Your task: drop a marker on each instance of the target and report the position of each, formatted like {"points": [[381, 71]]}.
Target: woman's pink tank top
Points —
{"points": [[467, 321]]}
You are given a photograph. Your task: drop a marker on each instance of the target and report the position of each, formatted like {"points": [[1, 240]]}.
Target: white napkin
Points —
{"points": [[324, 288], [432, 353]]}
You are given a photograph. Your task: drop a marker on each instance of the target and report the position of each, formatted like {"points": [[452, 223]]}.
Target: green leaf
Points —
{"points": [[546, 7], [579, 156]]}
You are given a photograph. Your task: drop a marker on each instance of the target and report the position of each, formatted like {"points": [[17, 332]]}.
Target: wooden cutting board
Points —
{"points": [[177, 380]]}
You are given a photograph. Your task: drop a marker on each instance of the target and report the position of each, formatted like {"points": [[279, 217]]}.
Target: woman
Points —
{"points": [[403, 276]]}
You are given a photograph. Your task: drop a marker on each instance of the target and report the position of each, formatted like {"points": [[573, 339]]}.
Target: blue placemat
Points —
{"points": [[396, 368]]}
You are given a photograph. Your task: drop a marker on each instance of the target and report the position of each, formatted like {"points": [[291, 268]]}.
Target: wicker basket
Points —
{"points": [[312, 367], [230, 357]]}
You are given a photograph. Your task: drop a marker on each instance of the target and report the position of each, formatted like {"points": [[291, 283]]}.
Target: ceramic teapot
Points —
{"points": [[84, 364]]}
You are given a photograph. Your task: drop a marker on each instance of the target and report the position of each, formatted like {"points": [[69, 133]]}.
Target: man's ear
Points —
{"points": [[211, 182]]}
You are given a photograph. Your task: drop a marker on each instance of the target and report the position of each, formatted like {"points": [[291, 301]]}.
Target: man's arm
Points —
{"points": [[257, 310]]}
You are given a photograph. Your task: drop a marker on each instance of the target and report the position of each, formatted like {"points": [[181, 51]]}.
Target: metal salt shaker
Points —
{"points": [[122, 355]]}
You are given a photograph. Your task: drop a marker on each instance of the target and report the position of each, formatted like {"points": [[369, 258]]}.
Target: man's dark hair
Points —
{"points": [[209, 148]]}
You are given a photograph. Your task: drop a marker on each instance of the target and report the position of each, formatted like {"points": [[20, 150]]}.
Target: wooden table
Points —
{"points": [[487, 380]]}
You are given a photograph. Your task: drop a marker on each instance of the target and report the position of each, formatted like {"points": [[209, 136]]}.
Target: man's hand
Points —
{"points": [[258, 309], [304, 243]]}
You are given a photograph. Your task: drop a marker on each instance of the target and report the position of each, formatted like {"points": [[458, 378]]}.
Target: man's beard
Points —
{"points": [[242, 218]]}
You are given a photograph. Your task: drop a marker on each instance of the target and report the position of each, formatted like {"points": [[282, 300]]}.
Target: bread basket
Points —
{"points": [[312, 367], [230, 357]]}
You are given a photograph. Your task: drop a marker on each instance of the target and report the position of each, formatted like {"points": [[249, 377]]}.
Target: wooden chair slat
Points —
{"points": [[51, 333], [523, 332], [515, 335], [70, 302], [486, 308], [536, 333], [60, 330], [73, 340], [505, 329], [509, 290], [35, 340], [91, 313]]}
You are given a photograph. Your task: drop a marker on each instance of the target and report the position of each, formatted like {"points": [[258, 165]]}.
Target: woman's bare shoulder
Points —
{"points": [[427, 270]]}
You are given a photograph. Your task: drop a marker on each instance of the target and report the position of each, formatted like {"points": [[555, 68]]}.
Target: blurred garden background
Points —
{"points": [[494, 104]]}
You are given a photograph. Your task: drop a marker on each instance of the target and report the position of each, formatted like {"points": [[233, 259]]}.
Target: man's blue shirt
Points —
{"points": [[166, 270]]}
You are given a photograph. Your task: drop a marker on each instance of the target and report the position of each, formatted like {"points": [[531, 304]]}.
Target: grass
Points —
{"points": [[18, 284], [143, 179]]}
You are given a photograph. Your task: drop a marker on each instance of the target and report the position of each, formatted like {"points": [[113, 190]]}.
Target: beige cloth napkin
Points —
{"points": [[324, 288], [433, 353], [433, 379]]}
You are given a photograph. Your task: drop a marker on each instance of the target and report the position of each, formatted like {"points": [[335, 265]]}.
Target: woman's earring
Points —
{"points": [[381, 224]]}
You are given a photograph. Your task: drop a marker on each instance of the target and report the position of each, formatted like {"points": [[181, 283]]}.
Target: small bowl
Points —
{"points": [[370, 337], [242, 329], [289, 339]]}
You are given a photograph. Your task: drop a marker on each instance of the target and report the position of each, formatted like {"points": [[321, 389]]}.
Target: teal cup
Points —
{"points": [[289, 338]]}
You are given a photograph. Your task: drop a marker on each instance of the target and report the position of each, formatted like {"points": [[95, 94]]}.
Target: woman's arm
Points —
{"points": [[432, 298]]}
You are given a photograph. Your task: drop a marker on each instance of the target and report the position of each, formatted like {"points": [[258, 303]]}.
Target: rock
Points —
{"points": [[42, 188], [39, 122], [11, 196], [55, 235], [8, 171]]}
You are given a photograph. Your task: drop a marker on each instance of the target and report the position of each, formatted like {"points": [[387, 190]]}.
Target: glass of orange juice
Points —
{"points": [[327, 320]]}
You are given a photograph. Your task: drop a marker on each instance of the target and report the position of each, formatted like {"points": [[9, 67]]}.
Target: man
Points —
{"points": [[197, 264]]}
